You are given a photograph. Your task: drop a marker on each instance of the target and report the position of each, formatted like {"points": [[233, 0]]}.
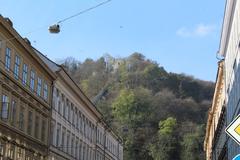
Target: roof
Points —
{"points": [[52, 65]]}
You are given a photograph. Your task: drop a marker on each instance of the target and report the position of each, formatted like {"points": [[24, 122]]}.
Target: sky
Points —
{"points": [[183, 36]]}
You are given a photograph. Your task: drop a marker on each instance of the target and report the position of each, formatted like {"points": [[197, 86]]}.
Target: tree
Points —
{"points": [[124, 105], [153, 76], [132, 109], [136, 94], [165, 146], [192, 144]]}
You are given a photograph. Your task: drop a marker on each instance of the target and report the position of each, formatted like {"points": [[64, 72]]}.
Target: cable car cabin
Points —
{"points": [[54, 28]]}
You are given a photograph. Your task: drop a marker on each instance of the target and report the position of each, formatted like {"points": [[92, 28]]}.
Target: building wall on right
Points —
{"points": [[229, 49]]}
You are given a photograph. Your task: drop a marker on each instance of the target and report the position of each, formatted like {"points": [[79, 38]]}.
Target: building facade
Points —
{"points": [[77, 128], [25, 92], [229, 49], [215, 140], [44, 115]]}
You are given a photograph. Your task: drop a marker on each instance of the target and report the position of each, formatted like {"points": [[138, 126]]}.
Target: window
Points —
{"points": [[72, 146], [10, 151], [53, 131], [81, 122], [28, 155], [84, 126], [75, 117], [2, 149], [97, 135], [19, 153], [43, 130], [58, 135], [25, 74], [77, 121], [14, 111], [21, 118], [30, 120], [72, 114], [55, 98], [68, 141], [68, 110], [16, 66], [64, 106], [92, 132], [59, 107], [8, 59], [63, 139], [39, 86], [89, 132], [36, 134], [86, 151], [5, 108], [32, 80], [57, 93], [83, 153], [80, 149], [76, 149], [90, 153], [45, 91]]}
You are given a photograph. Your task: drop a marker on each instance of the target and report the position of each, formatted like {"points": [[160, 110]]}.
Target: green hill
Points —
{"points": [[160, 115]]}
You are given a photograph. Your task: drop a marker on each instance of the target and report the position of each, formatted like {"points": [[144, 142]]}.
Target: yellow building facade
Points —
{"points": [[25, 93], [44, 115], [215, 139]]}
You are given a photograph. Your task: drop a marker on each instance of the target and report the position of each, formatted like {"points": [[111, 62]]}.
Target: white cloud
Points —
{"points": [[201, 30]]}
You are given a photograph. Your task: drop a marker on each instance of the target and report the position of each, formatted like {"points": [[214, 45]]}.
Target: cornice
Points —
{"points": [[227, 26], [17, 38]]}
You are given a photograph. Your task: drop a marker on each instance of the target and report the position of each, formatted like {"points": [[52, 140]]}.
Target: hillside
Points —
{"points": [[160, 115]]}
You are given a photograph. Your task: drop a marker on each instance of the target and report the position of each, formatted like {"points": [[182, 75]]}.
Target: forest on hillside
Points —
{"points": [[159, 115]]}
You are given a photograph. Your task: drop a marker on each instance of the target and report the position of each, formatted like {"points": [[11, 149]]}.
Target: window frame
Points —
{"points": [[5, 107], [45, 91], [32, 79], [17, 63], [8, 58], [13, 111], [25, 74], [39, 86], [30, 122], [63, 138], [36, 128], [43, 129], [21, 117], [58, 135]]}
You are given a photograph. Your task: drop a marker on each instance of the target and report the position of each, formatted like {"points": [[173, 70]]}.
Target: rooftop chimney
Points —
{"points": [[27, 41], [8, 21]]}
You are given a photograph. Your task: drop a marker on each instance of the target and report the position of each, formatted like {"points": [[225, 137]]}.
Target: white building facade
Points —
{"points": [[229, 49], [77, 128]]}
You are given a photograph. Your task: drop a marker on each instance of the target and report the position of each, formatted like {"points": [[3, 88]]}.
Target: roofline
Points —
{"points": [[230, 6], [25, 45], [101, 119], [85, 96], [46, 57], [219, 79]]}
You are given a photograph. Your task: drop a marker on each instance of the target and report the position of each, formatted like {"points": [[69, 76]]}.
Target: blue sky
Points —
{"points": [[181, 35]]}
